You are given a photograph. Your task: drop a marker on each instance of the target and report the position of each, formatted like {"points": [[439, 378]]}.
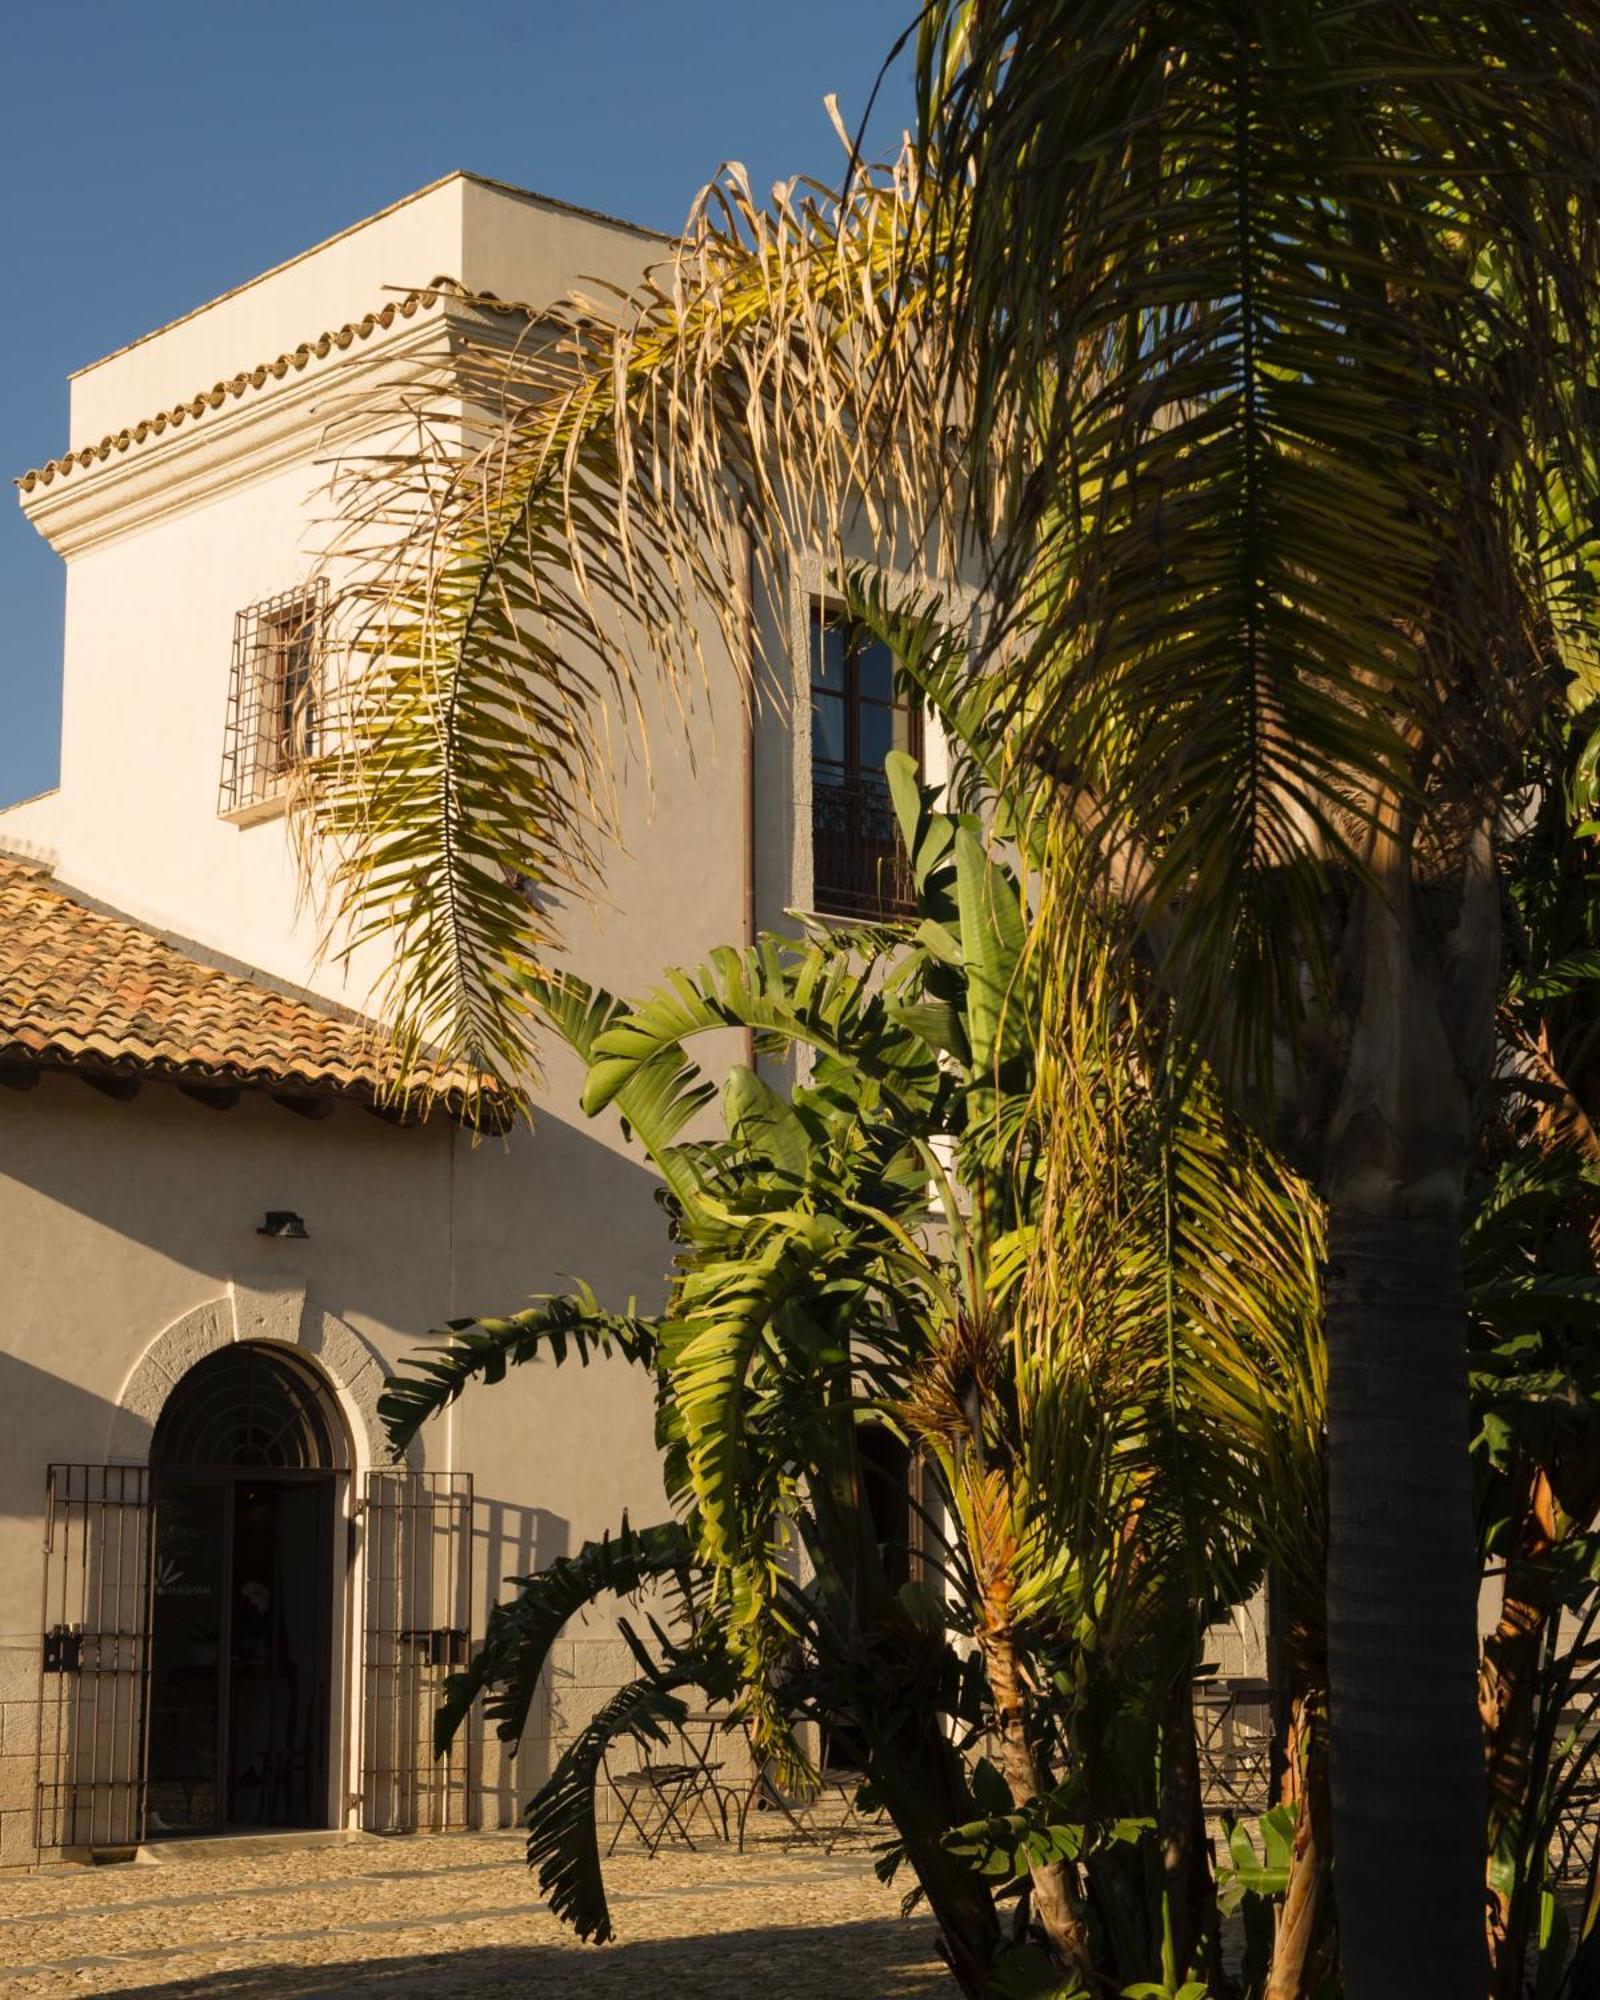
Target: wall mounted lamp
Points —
{"points": [[283, 1222]]}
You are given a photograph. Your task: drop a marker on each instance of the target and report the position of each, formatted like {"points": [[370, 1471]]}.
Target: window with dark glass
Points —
{"points": [[858, 865]]}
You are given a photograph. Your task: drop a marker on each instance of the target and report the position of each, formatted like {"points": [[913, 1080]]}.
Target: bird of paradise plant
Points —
{"points": [[861, 1244]]}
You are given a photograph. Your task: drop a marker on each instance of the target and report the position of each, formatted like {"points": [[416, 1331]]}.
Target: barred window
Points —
{"points": [[275, 696], [857, 717]]}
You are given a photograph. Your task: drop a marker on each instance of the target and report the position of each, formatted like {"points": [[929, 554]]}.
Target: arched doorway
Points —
{"points": [[247, 1469]]}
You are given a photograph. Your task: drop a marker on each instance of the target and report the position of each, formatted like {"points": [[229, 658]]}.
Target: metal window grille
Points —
{"points": [[418, 1616], [95, 1665], [275, 695]]}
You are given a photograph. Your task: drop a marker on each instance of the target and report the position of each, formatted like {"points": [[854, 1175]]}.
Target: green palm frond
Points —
{"points": [[725, 1314], [810, 993], [992, 946], [563, 1838], [927, 834], [656, 1098], [522, 1629], [1240, 297], [483, 1349], [765, 1123], [1244, 1239]]}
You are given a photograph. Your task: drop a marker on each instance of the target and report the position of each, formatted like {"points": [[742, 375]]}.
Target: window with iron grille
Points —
{"points": [[275, 696], [859, 867]]}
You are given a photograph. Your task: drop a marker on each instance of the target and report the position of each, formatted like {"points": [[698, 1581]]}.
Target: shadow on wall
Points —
{"points": [[190, 1185], [178, 1185], [856, 1961], [566, 1204], [43, 1417], [509, 1541]]}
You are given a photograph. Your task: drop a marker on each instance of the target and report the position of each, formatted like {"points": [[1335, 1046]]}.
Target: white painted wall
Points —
{"points": [[117, 1220], [168, 540]]}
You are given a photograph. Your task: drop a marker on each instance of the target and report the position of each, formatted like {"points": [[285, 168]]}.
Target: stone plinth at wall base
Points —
{"points": [[245, 1846], [16, 1841]]}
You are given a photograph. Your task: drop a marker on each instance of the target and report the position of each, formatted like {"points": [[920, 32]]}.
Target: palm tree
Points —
{"points": [[1247, 338], [1300, 299]]}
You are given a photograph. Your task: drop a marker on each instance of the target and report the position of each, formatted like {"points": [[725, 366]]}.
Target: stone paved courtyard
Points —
{"points": [[458, 1916]]}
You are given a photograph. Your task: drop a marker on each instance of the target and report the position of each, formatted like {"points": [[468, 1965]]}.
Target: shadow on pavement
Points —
{"points": [[860, 1961]]}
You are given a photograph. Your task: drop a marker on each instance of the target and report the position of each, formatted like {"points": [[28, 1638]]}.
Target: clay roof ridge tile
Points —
{"points": [[421, 298]]}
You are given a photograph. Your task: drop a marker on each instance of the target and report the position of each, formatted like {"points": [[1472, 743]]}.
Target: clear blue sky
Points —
{"points": [[159, 151]]}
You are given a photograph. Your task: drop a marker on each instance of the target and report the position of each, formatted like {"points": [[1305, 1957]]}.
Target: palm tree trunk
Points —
{"points": [[959, 1900], [1299, 1923], [1185, 1860], [1054, 1904], [903, 1748], [1407, 1750], [988, 1512]]}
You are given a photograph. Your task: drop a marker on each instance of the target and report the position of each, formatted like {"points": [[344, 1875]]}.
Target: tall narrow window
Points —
{"points": [[274, 699], [858, 865]]}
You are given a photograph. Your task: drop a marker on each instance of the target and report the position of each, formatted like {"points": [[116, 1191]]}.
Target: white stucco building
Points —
{"points": [[222, 1607]]}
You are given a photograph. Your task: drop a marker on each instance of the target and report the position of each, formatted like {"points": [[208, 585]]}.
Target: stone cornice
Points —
{"points": [[251, 425]]}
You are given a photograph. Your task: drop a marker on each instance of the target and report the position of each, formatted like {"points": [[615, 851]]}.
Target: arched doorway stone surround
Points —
{"points": [[271, 1307]]}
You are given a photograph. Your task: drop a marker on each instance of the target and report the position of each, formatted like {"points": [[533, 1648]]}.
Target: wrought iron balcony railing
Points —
{"points": [[859, 867]]}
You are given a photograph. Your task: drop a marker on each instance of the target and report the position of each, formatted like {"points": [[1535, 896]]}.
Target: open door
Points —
{"points": [[418, 1535]]}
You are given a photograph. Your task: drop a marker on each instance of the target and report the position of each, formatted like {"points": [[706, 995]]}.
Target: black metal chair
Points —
{"points": [[659, 1800], [1234, 1738], [804, 1810]]}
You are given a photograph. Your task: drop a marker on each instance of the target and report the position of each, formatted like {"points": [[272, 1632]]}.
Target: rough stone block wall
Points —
{"points": [[1237, 1647], [19, 1748]]}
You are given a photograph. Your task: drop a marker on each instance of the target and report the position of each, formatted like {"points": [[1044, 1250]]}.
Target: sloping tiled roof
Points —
{"points": [[85, 990]]}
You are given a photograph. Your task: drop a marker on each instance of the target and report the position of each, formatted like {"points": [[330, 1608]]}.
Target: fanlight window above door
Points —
{"points": [[250, 1405]]}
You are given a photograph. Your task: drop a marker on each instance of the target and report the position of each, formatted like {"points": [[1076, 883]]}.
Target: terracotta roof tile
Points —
{"points": [[339, 337], [83, 989]]}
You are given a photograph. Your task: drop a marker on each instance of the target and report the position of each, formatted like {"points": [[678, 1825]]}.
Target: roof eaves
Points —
{"points": [[93, 991]]}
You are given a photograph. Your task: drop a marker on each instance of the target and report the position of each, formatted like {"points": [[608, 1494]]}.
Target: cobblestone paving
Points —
{"points": [[458, 1916]]}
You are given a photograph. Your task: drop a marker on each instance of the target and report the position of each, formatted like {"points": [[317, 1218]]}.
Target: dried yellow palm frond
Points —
{"points": [[575, 514], [1171, 1377], [954, 1386]]}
